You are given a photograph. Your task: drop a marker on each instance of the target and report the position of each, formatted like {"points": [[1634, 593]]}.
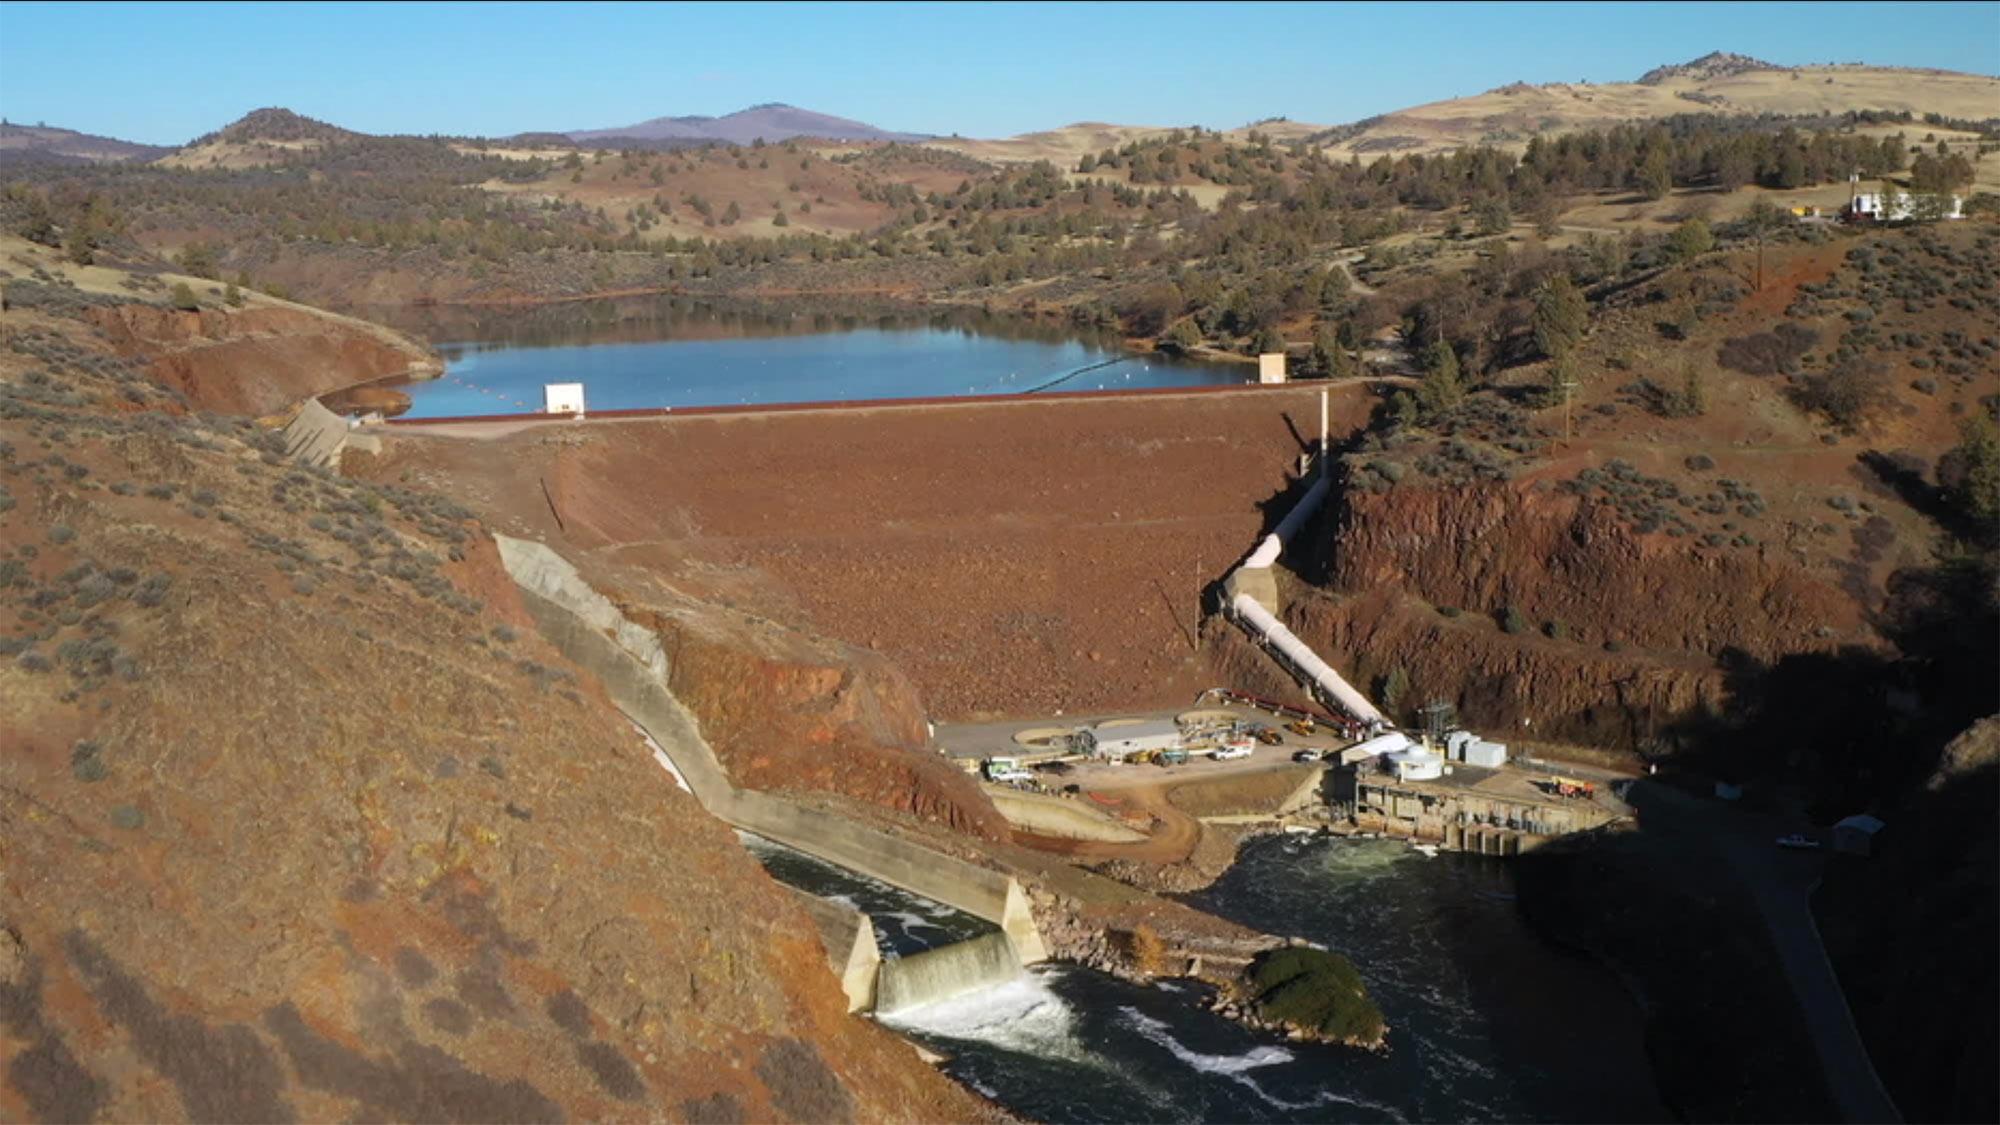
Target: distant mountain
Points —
{"points": [[771, 122], [275, 124], [47, 143]]}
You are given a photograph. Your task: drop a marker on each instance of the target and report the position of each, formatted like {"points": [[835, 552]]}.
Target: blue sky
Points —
{"points": [[164, 73]]}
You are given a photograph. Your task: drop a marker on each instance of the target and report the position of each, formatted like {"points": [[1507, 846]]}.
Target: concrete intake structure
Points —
{"points": [[633, 667]]}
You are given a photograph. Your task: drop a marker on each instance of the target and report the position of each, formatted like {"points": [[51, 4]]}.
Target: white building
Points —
{"points": [[1906, 207], [1271, 367], [1126, 739], [563, 398]]}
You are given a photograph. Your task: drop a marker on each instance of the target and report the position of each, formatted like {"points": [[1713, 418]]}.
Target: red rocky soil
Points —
{"points": [[299, 818]]}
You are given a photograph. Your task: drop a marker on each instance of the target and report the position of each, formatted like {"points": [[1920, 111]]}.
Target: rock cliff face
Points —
{"points": [[302, 819], [1483, 549], [261, 358], [1617, 635]]}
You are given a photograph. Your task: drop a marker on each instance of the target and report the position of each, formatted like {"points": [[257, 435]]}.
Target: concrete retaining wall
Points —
{"points": [[1053, 816], [315, 434], [632, 665], [851, 951]]}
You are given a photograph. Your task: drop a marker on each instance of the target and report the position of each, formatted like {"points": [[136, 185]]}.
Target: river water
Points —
{"points": [[1487, 1022], [670, 353], [904, 923]]}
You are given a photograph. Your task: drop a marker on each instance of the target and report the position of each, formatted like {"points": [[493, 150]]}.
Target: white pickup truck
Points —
{"points": [[1234, 748]]}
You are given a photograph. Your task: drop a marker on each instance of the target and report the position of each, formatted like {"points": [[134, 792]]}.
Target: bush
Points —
{"points": [[183, 298], [1848, 394], [1513, 621], [1776, 352], [1317, 991]]}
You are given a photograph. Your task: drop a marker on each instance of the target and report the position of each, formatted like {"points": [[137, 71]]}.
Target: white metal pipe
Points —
{"points": [[1304, 661], [1273, 544]]}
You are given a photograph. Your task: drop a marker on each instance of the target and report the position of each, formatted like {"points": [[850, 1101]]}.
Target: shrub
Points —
{"points": [[1849, 393], [1315, 990], [1513, 621], [183, 298], [86, 762], [1776, 352]]}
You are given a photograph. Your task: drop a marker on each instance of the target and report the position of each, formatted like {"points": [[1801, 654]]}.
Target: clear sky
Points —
{"points": [[165, 73]]}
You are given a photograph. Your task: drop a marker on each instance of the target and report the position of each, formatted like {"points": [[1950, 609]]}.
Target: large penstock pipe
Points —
{"points": [[1306, 663], [1273, 544], [1321, 677]]}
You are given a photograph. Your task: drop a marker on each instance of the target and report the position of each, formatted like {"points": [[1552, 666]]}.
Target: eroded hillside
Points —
{"points": [[303, 820], [1753, 475]]}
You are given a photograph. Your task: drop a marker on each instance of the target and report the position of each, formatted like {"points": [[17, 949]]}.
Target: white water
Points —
{"points": [[1021, 1015], [970, 966]]}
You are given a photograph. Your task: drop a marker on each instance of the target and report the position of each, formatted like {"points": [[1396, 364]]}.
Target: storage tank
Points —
{"points": [[1417, 764]]}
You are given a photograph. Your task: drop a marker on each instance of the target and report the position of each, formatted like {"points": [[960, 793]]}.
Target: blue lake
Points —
{"points": [[689, 356]]}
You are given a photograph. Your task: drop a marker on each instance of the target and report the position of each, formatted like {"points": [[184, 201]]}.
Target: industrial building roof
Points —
{"points": [[1149, 728]]}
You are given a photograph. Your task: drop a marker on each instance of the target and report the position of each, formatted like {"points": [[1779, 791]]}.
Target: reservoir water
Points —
{"points": [[667, 353], [1487, 1022]]}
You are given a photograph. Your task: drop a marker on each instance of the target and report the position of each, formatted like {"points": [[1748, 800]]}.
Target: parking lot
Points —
{"points": [[974, 742]]}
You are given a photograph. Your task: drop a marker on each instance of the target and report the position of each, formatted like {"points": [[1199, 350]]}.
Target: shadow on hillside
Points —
{"points": [[1849, 727]]}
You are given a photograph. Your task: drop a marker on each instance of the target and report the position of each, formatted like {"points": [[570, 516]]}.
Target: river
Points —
{"points": [[1487, 1021], [673, 353]]}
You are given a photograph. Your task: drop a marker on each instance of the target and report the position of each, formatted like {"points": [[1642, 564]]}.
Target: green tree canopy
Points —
{"points": [[1442, 387], [1691, 239], [1561, 316]]}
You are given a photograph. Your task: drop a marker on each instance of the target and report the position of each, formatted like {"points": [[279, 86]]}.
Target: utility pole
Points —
{"points": [[1322, 433]]}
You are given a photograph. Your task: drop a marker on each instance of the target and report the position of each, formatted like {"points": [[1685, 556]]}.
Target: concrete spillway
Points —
{"points": [[632, 664], [947, 971]]}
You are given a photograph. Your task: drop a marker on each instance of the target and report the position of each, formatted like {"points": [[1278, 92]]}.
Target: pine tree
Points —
{"points": [[1441, 388], [1561, 316], [1655, 179], [1691, 239]]}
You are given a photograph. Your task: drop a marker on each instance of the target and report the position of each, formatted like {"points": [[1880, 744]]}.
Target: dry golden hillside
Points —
{"points": [[1512, 114]]}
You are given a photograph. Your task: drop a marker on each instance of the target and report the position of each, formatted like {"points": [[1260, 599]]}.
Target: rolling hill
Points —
{"points": [[48, 143], [1715, 83]]}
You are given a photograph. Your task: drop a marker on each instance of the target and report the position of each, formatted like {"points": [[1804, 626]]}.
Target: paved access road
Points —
{"points": [[1780, 881]]}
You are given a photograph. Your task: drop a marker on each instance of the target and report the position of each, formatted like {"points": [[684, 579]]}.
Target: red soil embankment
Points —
{"points": [[1013, 558], [260, 359]]}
